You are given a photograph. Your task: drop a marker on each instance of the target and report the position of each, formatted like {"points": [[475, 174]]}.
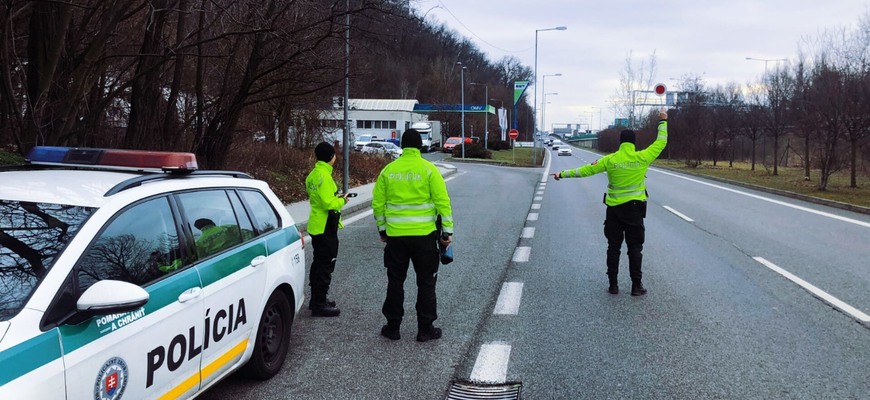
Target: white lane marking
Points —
{"points": [[509, 299], [528, 233], [539, 198], [521, 254], [854, 312], [536, 206], [533, 217], [543, 184], [449, 179], [358, 217], [492, 362], [540, 192], [782, 203], [679, 214]]}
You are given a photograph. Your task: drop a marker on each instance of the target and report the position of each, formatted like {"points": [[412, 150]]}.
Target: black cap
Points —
{"points": [[411, 138], [626, 136], [324, 152]]}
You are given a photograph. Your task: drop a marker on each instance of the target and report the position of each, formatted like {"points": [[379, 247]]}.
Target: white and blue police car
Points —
{"points": [[132, 274]]}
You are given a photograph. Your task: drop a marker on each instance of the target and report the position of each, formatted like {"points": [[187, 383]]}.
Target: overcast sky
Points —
{"points": [[707, 38]]}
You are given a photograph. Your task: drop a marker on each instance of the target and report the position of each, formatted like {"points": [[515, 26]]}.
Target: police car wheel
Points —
{"points": [[273, 338]]}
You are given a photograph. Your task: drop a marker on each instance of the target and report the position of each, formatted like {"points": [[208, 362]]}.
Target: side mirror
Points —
{"points": [[111, 297]]}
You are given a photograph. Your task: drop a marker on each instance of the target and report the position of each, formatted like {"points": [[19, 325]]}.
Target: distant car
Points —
{"points": [[383, 148], [548, 142], [452, 142], [363, 140], [564, 150], [557, 144]]}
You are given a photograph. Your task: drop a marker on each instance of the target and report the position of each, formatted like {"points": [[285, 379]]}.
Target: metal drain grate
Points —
{"points": [[470, 391]]}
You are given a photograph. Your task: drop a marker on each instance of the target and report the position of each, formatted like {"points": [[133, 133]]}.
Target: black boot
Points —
{"points": [[427, 333], [637, 289], [391, 332], [320, 306], [329, 302], [614, 286]]}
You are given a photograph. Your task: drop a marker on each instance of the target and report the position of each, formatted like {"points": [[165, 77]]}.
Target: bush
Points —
{"points": [[472, 150], [497, 145]]}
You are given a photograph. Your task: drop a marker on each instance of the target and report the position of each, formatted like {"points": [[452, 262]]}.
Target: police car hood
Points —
{"points": [[4, 326]]}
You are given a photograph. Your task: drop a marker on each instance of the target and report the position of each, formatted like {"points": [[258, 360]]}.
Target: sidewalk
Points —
{"points": [[363, 200]]}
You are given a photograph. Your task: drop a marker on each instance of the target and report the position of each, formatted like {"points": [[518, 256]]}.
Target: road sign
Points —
{"points": [[514, 133], [660, 89]]}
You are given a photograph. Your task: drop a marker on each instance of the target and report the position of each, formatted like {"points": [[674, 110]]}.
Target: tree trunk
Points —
{"points": [[143, 130]]}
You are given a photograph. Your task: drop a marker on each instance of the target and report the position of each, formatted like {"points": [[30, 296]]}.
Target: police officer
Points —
{"points": [[408, 197], [626, 200], [324, 220]]}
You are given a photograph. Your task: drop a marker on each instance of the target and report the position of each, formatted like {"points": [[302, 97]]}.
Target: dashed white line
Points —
{"points": [[492, 362], [854, 312], [677, 213], [536, 206], [522, 253], [508, 302], [528, 233], [533, 217], [539, 198], [540, 192]]}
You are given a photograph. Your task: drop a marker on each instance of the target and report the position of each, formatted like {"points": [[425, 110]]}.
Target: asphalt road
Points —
{"points": [[526, 300]]}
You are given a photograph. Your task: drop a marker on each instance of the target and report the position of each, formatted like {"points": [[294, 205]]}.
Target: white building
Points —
{"points": [[385, 118]]}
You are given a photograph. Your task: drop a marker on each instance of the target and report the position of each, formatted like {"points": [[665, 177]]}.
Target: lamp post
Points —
{"points": [[485, 114], [544, 108], [544, 89], [766, 60], [535, 111], [462, 85]]}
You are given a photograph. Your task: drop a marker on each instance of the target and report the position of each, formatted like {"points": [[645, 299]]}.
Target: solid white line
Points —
{"points": [[533, 217], [782, 203], [357, 217], [854, 312], [536, 206], [492, 362], [449, 179], [521, 254], [539, 198], [677, 213], [528, 233], [509, 299]]}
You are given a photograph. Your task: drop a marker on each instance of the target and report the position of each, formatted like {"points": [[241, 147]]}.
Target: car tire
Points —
{"points": [[272, 340]]}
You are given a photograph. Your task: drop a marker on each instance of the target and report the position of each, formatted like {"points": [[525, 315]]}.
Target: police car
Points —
{"points": [[132, 274]]}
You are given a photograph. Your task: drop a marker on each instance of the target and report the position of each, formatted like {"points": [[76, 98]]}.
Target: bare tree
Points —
{"points": [[778, 90], [635, 82]]}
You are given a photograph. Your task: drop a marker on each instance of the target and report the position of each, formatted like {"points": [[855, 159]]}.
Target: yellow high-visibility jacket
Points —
{"points": [[626, 169], [409, 195], [322, 197]]}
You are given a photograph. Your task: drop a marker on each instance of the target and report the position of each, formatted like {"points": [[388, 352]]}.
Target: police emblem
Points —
{"points": [[112, 380]]}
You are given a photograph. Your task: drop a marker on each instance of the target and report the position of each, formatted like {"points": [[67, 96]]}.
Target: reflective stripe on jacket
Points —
{"points": [[409, 195], [322, 197], [626, 169]]}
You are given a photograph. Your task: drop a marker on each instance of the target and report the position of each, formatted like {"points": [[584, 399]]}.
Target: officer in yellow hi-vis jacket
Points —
{"points": [[408, 197], [626, 200], [324, 220]]}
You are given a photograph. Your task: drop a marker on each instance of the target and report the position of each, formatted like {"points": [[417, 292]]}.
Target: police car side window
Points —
{"points": [[212, 220], [138, 246], [265, 218], [242, 216]]}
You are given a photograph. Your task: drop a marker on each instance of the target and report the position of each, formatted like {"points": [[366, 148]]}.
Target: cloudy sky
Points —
{"points": [[706, 38]]}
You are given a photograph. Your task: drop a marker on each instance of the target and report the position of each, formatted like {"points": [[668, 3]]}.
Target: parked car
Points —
{"points": [[363, 140], [383, 148], [133, 274], [564, 150]]}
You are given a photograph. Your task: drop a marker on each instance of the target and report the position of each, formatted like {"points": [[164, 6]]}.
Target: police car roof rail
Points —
{"points": [[139, 180]]}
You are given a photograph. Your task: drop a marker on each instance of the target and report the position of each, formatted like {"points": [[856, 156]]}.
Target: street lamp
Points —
{"points": [[543, 89], [544, 108], [766, 60], [535, 111], [462, 85], [485, 114]]}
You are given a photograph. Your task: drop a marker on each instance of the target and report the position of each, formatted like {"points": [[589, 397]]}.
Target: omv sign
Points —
{"points": [[475, 108]]}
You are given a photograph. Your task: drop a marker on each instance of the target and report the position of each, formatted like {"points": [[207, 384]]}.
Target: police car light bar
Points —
{"points": [[135, 160]]}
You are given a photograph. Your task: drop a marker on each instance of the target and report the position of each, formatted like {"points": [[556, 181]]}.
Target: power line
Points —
{"points": [[476, 35]]}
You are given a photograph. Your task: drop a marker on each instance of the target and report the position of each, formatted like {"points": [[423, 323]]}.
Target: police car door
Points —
{"points": [[230, 264], [151, 352]]}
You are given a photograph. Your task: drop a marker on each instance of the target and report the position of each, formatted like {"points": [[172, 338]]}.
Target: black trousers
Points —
{"points": [[423, 252], [323, 265], [625, 222]]}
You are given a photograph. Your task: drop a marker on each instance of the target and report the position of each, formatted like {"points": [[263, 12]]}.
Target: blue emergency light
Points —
{"points": [[136, 160]]}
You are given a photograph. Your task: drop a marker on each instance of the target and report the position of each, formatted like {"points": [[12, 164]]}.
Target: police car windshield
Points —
{"points": [[31, 237]]}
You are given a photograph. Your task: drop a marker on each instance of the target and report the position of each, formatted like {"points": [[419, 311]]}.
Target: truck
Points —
{"points": [[430, 131]]}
